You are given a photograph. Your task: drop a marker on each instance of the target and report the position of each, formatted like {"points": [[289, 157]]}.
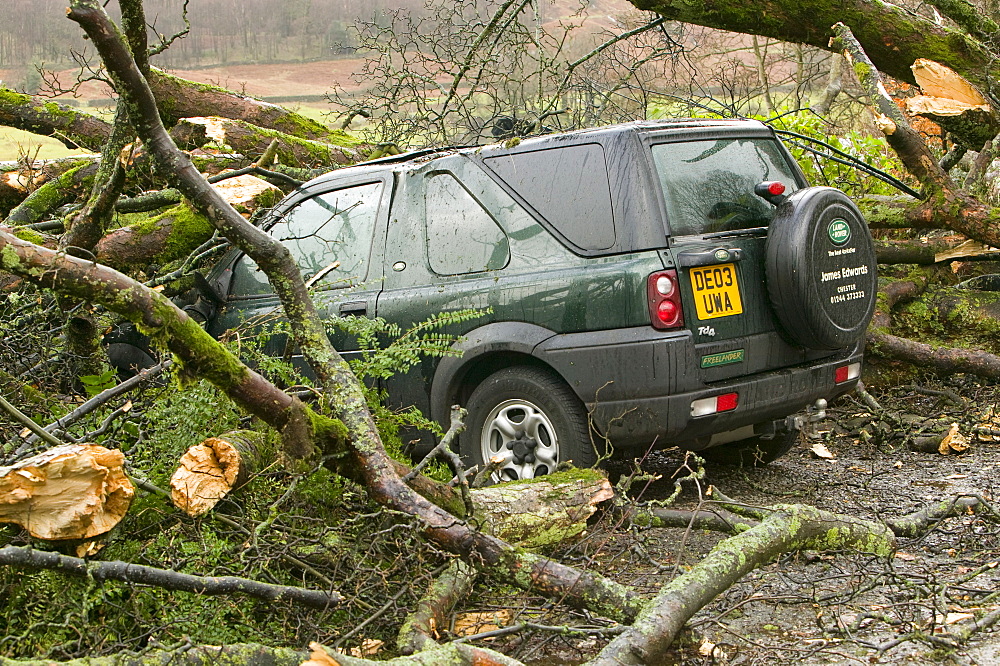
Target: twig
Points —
{"points": [[443, 450], [294, 561], [102, 398], [28, 423], [867, 398], [164, 578], [381, 611]]}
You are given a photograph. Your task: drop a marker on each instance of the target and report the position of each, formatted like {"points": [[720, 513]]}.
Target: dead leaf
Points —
{"points": [[954, 441], [706, 648], [319, 657], [467, 624], [906, 557], [368, 647], [820, 450], [88, 548]]}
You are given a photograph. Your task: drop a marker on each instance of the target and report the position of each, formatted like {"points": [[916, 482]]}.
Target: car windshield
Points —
{"points": [[708, 185]]}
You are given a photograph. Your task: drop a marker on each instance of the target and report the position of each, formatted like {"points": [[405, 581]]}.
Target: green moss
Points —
{"points": [[188, 230], [29, 235], [329, 431]]}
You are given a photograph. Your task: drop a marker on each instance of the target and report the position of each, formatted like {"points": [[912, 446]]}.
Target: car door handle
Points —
{"points": [[354, 308], [718, 255]]}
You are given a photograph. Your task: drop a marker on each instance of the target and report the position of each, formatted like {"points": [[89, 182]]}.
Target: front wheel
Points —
{"points": [[752, 452], [528, 418]]}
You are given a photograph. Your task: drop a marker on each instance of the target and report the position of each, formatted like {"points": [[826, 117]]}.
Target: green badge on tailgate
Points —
{"points": [[722, 358]]}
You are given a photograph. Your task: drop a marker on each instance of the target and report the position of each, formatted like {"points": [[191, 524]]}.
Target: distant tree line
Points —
{"points": [[222, 31]]}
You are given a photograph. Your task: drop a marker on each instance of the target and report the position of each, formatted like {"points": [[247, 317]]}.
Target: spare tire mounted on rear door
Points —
{"points": [[821, 269]]}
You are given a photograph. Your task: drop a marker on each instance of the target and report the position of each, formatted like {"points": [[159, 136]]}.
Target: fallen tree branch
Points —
{"points": [[237, 654], [787, 528], [49, 118], [169, 580], [421, 627], [919, 522]]}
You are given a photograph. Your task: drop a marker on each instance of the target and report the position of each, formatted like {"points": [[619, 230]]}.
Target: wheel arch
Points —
{"points": [[485, 350]]}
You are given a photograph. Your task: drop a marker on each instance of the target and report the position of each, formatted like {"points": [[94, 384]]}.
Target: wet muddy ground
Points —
{"points": [[829, 608]]}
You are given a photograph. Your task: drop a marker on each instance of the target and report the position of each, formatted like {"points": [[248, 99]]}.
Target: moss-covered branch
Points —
{"points": [[41, 116], [789, 528], [892, 36], [180, 98], [168, 236], [28, 558], [199, 655], [337, 148]]}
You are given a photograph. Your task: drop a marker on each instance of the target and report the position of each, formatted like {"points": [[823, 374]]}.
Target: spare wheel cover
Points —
{"points": [[821, 269]]}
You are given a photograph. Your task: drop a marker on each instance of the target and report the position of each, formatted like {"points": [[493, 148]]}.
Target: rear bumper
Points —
{"points": [[764, 397], [639, 390]]}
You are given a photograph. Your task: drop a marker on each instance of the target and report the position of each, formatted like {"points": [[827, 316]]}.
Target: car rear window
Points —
{"points": [[708, 185], [568, 187]]}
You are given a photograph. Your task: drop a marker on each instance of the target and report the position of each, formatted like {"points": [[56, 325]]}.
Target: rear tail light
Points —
{"points": [[664, 297], [717, 403], [846, 373]]}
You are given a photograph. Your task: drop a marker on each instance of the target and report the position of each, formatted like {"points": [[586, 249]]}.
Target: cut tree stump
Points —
{"points": [[74, 491], [212, 469], [544, 511]]}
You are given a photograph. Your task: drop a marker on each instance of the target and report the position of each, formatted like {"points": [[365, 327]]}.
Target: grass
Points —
{"points": [[15, 143]]}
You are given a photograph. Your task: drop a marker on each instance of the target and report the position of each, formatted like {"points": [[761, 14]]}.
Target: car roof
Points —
{"points": [[671, 127]]}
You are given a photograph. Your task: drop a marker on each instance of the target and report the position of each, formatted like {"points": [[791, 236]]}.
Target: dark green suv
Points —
{"points": [[655, 283]]}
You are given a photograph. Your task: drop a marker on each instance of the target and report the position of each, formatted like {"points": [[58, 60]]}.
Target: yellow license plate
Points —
{"points": [[716, 291]]}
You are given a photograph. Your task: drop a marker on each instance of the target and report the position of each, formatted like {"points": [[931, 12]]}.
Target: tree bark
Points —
{"points": [[893, 36], [168, 236], [50, 195], [180, 98]]}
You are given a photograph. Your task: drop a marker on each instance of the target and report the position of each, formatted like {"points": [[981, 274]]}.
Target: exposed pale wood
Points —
{"points": [[951, 101], [74, 491], [968, 249], [247, 192], [937, 80], [211, 470]]}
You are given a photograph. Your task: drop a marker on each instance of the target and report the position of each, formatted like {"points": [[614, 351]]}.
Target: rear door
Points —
{"points": [[718, 230]]}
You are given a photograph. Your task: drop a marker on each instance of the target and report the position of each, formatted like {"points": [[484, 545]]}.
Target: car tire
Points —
{"points": [[821, 269], [752, 452], [532, 418]]}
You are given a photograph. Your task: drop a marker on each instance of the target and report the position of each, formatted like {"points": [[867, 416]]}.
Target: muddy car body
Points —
{"points": [[647, 284]]}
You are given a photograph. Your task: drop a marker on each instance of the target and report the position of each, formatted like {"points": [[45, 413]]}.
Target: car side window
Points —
{"points": [[568, 187], [462, 237], [329, 236]]}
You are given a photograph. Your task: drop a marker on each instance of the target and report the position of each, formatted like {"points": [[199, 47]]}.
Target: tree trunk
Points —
{"points": [[252, 141], [892, 36], [186, 99]]}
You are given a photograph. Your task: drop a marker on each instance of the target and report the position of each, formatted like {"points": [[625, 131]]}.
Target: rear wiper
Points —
{"points": [[753, 231]]}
